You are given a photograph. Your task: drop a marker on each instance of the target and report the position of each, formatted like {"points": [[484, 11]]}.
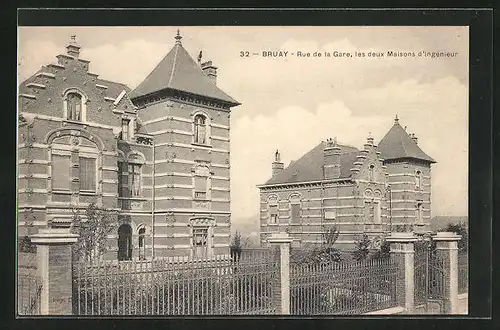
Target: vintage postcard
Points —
{"points": [[242, 170]]}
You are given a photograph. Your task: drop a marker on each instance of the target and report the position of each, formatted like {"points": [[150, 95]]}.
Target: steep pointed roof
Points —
{"points": [[309, 167], [178, 71], [398, 144]]}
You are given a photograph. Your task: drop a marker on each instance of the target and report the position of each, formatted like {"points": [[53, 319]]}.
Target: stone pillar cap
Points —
{"points": [[446, 236], [402, 237], [54, 236], [280, 238]]}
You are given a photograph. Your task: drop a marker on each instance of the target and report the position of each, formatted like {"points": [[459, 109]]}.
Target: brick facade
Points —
{"points": [[120, 131]]}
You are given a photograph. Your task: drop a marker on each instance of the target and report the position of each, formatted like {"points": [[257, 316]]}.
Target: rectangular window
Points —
{"points": [[420, 211], [200, 187], [295, 213], [368, 211], [122, 180], [125, 129], [377, 212], [200, 241], [87, 174], [273, 213], [134, 178], [61, 172]]}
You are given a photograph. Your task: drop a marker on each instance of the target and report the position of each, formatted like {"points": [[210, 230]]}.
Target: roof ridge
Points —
{"points": [[173, 65]]}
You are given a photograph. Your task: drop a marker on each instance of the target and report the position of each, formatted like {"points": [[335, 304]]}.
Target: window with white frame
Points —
{"points": [[126, 134], [371, 172], [74, 105], [200, 241], [88, 175], [201, 182], [134, 179], [200, 129], [122, 179], [418, 180], [420, 212], [142, 243], [61, 172], [273, 213], [376, 212]]}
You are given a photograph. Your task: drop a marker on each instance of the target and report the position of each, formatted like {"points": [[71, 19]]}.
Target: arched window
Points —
{"points": [[418, 180], [420, 212], [74, 106], [372, 172], [200, 129], [124, 242], [142, 243]]}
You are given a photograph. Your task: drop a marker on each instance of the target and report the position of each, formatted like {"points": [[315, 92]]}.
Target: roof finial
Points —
{"points": [[396, 119], [178, 37]]}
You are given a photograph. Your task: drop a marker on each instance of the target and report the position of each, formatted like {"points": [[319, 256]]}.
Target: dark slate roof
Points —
{"points": [[178, 71], [398, 144], [440, 222], [310, 166]]}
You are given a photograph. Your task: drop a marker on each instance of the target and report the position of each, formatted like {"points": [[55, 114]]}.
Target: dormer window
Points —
{"points": [[125, 129], [74, 106], [200, 129]]}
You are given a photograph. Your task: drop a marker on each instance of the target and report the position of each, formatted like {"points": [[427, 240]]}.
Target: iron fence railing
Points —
{"points": [[463, 272], [343, 287], [29, 289], [177, 286]]}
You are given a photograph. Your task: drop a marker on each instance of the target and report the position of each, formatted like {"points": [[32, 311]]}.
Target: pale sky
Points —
{"points": [[291, 103]]}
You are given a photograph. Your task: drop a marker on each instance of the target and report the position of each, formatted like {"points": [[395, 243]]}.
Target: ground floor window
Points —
{"points": [[125, 242], [200, 241]]}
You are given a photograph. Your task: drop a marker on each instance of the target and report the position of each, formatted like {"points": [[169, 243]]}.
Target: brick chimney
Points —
{"points": [[414, 138], [278, 166], [331, 154], [210, 70]]}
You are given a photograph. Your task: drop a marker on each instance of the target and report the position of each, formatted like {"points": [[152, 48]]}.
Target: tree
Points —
{"points": [[26, 246], [362, 247], [93, 229]]}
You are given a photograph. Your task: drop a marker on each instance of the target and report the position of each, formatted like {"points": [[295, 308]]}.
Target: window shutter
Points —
{"points": [[61, 178]]}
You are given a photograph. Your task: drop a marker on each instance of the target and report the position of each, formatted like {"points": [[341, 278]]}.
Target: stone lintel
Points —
{"points": [[54, 236]]}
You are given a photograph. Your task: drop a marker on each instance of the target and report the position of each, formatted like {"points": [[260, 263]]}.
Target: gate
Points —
{"points": [[430, 278]]}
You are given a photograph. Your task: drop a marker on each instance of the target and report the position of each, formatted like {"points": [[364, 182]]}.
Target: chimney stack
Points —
{"points": [[278, 166], [414, 138], [210, 70], [331, 154]]}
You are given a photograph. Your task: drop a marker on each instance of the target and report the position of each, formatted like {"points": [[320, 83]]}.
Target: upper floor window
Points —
{"points": [[418, 180], [368, 210], [273, 214], [420, 212], [134, 179], [295, 213], [122, 179], [125, 129], [201, 182], [61, 168], [376, 212], [371, 172], [200, 129], [74, 106]]}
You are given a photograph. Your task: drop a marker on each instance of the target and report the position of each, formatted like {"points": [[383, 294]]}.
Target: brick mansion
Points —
{"points": [[158, 155], [376, 190]]}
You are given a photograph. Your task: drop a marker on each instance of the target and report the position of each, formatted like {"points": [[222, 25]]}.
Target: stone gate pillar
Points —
{"points": [[403, 252], [54, 266], [282, 285], [447, 251]]}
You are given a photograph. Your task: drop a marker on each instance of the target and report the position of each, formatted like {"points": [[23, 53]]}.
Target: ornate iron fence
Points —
{"points": [[343, 287], [463, 272], [29, 289], [177, 286]]}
